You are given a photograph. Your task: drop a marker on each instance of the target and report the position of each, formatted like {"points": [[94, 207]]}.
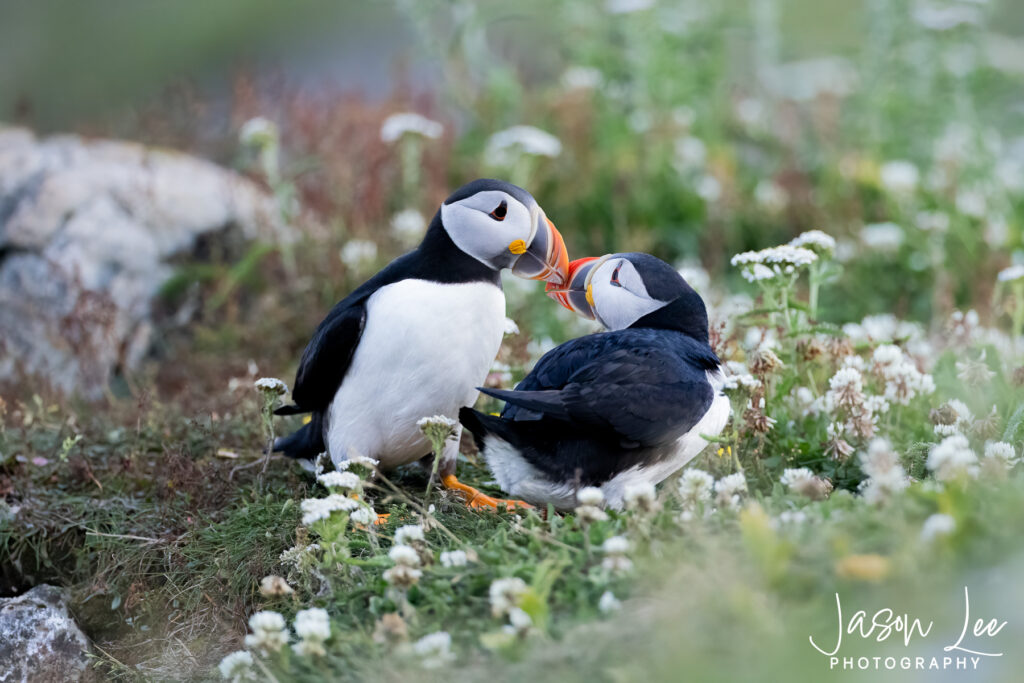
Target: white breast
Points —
{"points": [[425, 348]]}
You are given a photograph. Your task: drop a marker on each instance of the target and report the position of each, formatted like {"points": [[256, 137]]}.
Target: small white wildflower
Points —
{"points": [[608, 603], [408, 534], [258, 132], [357, 252], [271, 386], [520, 622], [817, 241], [397, 125], [313, 627], [274, 586], [882, 236], [771, 196], [402, 576], [505, 595], [434, 650], [695, 487], [640, 496], [899, 177], [340, 480], [887, 354], [362, 460], [946, 430], [404, 555], [952, 458], [315, 509], [937, 525], [237, 667], [454, 558], [781, 260], [441, 423], [268, 632], [363, 515], [964, 417], [408, 225], [590, 495], [730, 489], [795, 478], [503, 147], [615, 549], [1011, 274], [1002, 451]]}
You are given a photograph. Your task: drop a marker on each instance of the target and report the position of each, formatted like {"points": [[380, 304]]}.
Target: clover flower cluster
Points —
{"points": [[505, 595], [406, 572], [803, 482], [397, 125], [903, 381], [317, 509], [616, 555], [886, 476], [590, 504], [504, 146], [952, 458]]}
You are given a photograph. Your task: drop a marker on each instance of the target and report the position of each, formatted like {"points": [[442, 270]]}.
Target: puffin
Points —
{"points": [[613, 409], [416, 339]]}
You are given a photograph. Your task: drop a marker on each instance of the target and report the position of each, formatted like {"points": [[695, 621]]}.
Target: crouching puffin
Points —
{"points": [[614, 408], [416, 339]]}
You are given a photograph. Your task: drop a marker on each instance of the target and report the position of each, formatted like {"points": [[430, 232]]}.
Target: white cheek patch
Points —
{"points": [[619, 307], [475, 232]]}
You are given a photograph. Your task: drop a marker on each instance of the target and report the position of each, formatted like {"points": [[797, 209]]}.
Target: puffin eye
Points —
{"points": [[615, 278], [499, 212]]}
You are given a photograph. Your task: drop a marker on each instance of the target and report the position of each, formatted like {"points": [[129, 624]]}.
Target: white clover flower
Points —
{"points": [[881, 488], [695, 487], [796, 478], [882, 236], [408, 534], [408, 225], [1002, 451], [315, 509], [236, 667], [397, 125], [520, 622], [258, 132], [964, 417], [404, 555], [899, 177], [937, 525], [590, 495], [781, 260], [363, 515], [271, 386], [505, 145], [952, 458], [402, 576], [439, 422], [946, 430], [357, 252], [1011, 274], [313, 627], [740, 380], [505, 595], [268, 632], [845, 388], [771, 196], [730, 489], [340, 480], [615, 549], [817, 241], [362, 460], [454, 558], [582, 78], [640, 496], [274, 586], [887, 354], [434, 650], [511, 327]]}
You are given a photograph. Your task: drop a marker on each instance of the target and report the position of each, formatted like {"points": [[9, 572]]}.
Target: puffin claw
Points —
{"points": [[477, 500]]}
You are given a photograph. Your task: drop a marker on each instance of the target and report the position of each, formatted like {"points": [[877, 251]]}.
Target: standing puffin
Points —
{"points": [[613, 408], [417, 338]]}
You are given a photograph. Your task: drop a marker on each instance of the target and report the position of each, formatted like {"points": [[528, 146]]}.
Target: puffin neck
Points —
{"points": [[685, 314], [441, 260]]}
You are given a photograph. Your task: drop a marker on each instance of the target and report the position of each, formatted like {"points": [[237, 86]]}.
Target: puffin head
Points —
{"points": [[502, 226], [632, 290]]}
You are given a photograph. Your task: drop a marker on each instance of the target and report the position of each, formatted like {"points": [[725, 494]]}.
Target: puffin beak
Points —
{"points": [[546, 258], [576, 293]]}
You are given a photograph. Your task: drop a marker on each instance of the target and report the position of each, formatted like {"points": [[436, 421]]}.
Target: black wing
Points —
{"points": [[643, 394], [328, 355]]}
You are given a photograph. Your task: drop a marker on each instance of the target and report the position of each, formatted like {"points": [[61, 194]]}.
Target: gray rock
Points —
{"points": [[41, 642], [87, 233]]}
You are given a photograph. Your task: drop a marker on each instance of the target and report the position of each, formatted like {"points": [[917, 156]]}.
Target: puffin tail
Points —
{"points": [[482, 425], [307, 442]]}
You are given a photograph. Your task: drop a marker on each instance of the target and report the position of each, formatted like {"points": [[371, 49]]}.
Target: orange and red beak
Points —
{"points": [[575, 293], [546, 258]]}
